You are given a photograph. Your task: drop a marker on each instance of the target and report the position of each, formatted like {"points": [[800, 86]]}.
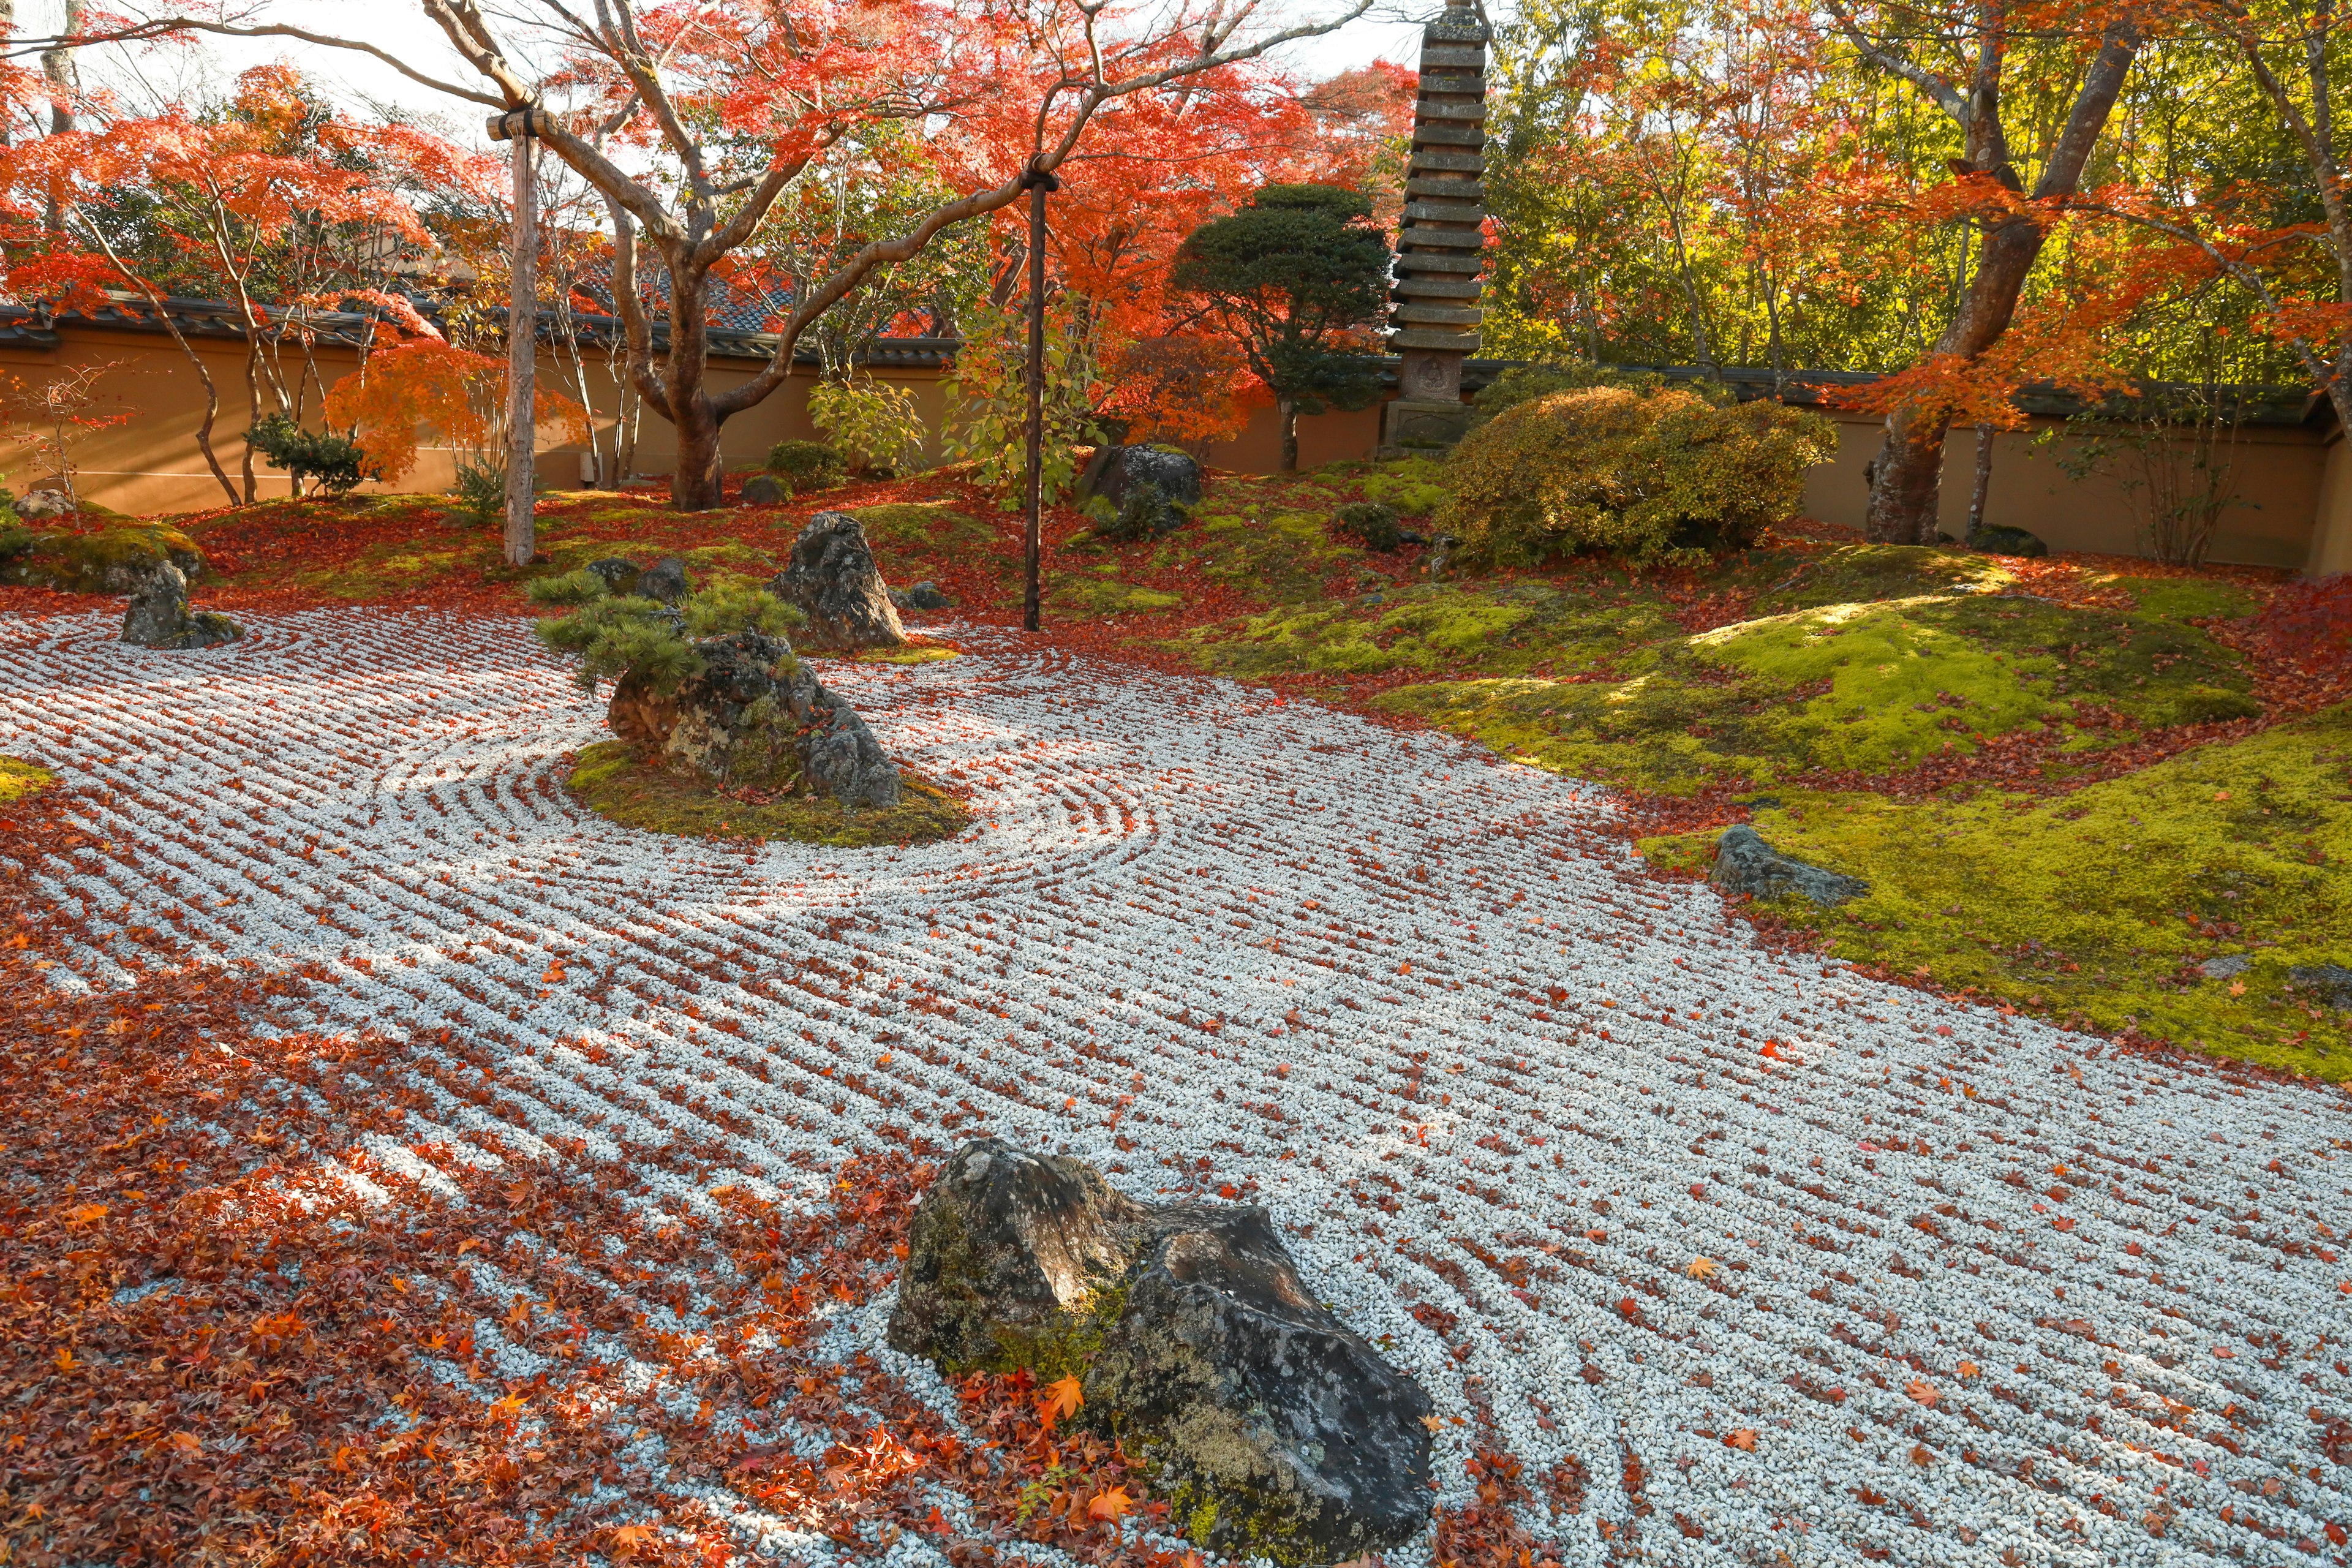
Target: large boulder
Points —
{"points": [[114, 560], [1112, 471], [1005, 1256], [1744, 863], [754, 716], [158, 616], [2000, 538], [833, 581], [1271, 1429]]}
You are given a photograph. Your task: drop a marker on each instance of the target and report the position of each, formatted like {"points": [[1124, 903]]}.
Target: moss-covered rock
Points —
{"points": [[112, 560]]}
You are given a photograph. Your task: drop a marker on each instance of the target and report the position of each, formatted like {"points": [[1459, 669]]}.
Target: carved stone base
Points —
{"points": [[1412, 425]]}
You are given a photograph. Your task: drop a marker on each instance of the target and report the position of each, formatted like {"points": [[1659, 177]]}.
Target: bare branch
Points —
{"points": [[1888, 58]]}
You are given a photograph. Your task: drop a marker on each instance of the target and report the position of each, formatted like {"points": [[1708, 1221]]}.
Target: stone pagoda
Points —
{"points": [[1436, 314]]}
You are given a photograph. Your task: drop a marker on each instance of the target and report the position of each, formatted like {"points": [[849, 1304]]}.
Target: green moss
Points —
{"points": [[925, 525], [1794, 579], [920, 653], [2188, 598], [1414, 486], [2097, 904], [1873, 688], [20, 780], [111, 561], [1092, 594], [613, 782]]}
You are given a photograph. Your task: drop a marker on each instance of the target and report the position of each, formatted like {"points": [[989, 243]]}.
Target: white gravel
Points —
{"points": [[1404, 995]]}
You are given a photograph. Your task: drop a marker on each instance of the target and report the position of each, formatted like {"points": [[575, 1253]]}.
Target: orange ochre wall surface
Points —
{"points": [[2292, 484]]}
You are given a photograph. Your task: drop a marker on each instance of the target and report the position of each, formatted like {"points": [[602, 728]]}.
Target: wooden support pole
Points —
{"points": [[522, 340]]}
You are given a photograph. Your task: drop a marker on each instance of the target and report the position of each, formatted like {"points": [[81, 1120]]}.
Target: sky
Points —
{"points": [[400, 27]]}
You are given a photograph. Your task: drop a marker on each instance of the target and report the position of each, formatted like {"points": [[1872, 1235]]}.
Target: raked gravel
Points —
{"points": [[1414, 1000]]}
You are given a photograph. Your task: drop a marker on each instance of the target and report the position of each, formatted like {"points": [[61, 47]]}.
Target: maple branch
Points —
{"points": [[2118, 46], [147, 30], [1889, 57], [2317, 138]]}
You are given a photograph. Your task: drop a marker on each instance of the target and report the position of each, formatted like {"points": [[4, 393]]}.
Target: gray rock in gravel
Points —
{"points": [[619, 573], [158, 616], [838, 748], [1270, 1427], [2229, 966], [731, 723], [2332, 981], [834, 582], [1744, 863], [664, 582], [1004, 1252], [766, 489], [756, 716]]}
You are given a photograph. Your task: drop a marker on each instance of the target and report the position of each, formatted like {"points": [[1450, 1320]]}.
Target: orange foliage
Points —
{"points": [[430, 385]]}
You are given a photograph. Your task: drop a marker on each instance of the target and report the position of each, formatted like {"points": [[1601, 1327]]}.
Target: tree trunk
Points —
{"points": [[699, 481], [523, 360], [1287, 412], [1983, 490], [1904, 496]]}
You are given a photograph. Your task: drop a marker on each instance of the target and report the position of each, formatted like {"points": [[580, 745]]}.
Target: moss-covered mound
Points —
{"points": [[1869, 688], [110, 561], [20, 780], [2102, 904], [614, 783]]}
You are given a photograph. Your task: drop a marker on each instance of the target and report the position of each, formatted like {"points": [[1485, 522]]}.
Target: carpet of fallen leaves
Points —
{"points": [[237, 1332]]}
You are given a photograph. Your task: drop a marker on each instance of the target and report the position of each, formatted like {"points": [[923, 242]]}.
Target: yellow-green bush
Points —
{"points": [[1657, 476]]}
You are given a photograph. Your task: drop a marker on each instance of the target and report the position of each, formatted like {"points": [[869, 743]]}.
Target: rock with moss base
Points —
{"points": [[753, 715], [1272, 1429], [1007, 1257], [110, 561], [834, 582], [158, 616], [1744, 863]]}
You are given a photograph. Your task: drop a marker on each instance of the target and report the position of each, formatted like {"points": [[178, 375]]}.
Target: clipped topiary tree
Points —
{"points": [[808, 465], [1654, 477], [1298, 278]]}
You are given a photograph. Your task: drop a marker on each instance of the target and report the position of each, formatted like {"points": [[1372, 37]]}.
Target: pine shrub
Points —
{"points": [[1370, 524]]}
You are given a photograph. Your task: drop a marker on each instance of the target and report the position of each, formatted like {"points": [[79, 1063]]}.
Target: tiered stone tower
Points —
{"points": [[1439, 250]]}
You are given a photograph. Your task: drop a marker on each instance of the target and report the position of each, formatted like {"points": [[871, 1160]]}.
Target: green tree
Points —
{"points": [[1298, 278]]}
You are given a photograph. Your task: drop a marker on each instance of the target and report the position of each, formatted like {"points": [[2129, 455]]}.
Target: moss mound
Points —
{"points": [[614, 783], [111, 561], [2101, 904], [1865, 687], [20, 780]]}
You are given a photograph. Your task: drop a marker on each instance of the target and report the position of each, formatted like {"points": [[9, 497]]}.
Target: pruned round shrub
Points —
{"points": [[1655, 478], [1370, 524], [809, 465]]}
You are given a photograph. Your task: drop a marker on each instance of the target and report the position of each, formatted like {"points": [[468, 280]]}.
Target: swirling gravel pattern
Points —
{"points": [[1502, 1089]]}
